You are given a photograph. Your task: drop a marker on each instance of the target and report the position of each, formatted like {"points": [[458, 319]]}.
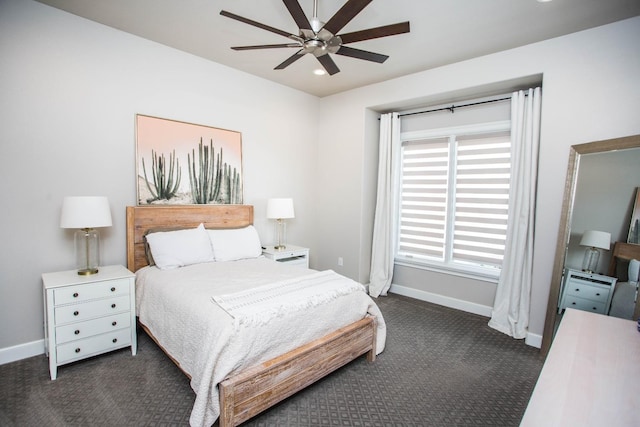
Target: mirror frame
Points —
{"points": [[565, 223]]}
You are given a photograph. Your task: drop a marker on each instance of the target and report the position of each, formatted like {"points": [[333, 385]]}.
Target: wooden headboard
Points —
{"points": [[140, 219], [624, 252]]}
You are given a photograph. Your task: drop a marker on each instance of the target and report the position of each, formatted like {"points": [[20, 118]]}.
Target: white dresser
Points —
{"points": [[591, 375], [294, 255], [88, 315]]}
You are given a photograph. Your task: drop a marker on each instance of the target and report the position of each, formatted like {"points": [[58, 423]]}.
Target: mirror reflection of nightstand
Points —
{"points": [[587, 291]]}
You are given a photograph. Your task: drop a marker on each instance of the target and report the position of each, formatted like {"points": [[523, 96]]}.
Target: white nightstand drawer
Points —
{"points": [[584, 304], [98, 344], [84, 292], [591, 292], [91, 309], [80, 330], [296, 260]]}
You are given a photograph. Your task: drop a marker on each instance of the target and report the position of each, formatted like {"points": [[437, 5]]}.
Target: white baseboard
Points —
{"points": [[21, 351], [533, 340], [467, 306]]}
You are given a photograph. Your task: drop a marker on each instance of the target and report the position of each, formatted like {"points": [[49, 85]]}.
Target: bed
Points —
{"points": [[624, 266], [241, 363]]}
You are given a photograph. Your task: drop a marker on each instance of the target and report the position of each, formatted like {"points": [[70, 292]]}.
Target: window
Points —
{"points": [[453, 198]]}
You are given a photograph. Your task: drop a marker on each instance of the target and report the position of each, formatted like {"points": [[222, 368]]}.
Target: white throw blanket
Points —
{"points": [[176, 306], [257, 306]]}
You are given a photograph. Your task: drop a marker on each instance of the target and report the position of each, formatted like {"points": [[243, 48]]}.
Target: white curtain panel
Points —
{"points": [[383, 225], [510, 313]]}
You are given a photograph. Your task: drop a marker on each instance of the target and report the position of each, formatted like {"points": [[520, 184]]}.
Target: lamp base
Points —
{"points": [[590, 261], [279, 247], [87, 243], [87, 271]]}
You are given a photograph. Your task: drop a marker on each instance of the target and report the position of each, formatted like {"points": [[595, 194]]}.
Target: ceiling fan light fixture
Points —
{"points": [[319, 72]]}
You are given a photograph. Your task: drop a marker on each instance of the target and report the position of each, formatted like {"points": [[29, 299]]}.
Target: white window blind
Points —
{"points": [[454, 199]]}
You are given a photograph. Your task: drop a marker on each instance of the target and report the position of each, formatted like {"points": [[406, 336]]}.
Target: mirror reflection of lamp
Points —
{"points": [[594, 241]]}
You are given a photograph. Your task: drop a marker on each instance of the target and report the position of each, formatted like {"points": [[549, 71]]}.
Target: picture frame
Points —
{"points": [[180, 163]]}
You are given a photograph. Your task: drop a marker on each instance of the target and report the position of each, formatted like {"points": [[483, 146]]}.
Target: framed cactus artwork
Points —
{"points": [[182, 163]]}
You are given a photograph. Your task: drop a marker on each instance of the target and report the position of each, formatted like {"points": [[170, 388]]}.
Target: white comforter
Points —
{"points": [[179, 308]]}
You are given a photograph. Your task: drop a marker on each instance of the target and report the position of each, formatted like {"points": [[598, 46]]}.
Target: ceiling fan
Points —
{"points": [[321, 39]]}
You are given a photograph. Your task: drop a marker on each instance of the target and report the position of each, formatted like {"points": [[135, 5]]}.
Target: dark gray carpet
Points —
{"points": [[441, 367]]}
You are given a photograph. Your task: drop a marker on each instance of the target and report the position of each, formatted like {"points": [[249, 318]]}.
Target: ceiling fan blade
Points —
{"points": [[346, 13], [362, 54], [328, 64], [377, 32], [297, 14], [255, 24], [299, 54], [265, 46]]}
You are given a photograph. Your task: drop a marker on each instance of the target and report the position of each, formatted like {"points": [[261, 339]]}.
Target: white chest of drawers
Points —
{"points": [[587, 291], [88, 315]]}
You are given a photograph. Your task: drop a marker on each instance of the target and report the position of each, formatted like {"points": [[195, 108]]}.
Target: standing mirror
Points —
{"points": [[576, 217]]}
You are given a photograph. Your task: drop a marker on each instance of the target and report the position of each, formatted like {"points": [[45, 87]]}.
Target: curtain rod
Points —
{"points": [[453, 107]]}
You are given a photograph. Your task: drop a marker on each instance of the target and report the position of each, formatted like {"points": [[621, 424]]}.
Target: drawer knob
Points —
{"points": [[113, 289], [75, 295], [114, 323], [115, 340], [77, 331], [113, 306], [577, 289], [75, 313], [598, 294], [78, 350], [573, 303]]}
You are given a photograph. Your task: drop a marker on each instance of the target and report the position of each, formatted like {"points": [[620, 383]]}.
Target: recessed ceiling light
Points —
{"points": [[543, 1], [319, 72]]}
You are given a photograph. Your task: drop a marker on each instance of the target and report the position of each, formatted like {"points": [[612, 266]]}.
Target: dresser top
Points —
{"points": [[590, 377], [71, 277]]}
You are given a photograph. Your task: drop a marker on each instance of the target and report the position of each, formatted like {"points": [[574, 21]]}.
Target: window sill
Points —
{"points": [[461, 272]]}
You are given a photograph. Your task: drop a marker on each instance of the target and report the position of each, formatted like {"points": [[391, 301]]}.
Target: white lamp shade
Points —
{"points": [[280, 208], [596, 239], [85, 212]]}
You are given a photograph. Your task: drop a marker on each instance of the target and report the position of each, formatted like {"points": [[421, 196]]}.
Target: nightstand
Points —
{"points": [[587, 291], [294, 255], [88, 315]]}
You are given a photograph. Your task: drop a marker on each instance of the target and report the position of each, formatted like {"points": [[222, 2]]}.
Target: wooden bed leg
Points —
{"points": [[226, 406], [371, 354]]}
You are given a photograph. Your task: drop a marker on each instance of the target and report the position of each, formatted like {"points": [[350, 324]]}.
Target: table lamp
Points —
{"points": [[594, 241], [86, 214], [280, 209]]}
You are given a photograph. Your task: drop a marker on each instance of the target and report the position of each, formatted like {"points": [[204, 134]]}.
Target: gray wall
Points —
{"points": [[590, 92], [71, 88]]}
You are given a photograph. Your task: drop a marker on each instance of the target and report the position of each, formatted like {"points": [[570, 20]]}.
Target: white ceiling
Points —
{"points": [[442, 32]]}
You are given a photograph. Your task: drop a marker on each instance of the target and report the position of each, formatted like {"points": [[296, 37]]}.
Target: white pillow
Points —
{"points": [[172, 249], [634, 270], [234, 244]]}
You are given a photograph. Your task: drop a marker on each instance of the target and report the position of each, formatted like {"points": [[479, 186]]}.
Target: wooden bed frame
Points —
{"points": [[624, 252], [250, 392]]}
